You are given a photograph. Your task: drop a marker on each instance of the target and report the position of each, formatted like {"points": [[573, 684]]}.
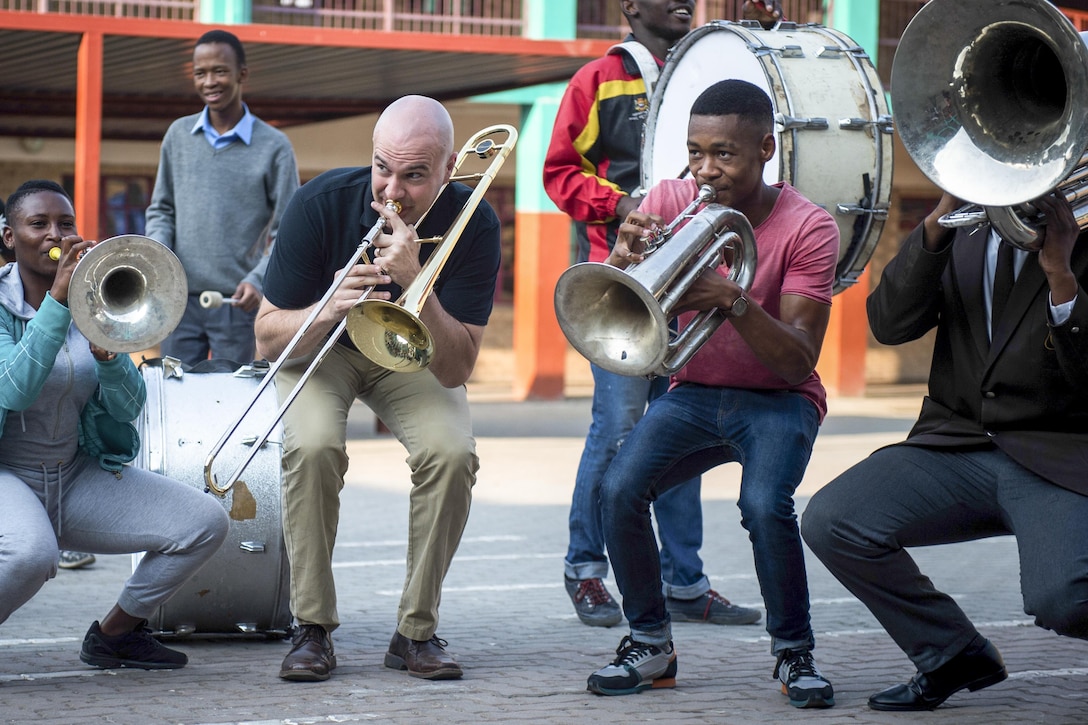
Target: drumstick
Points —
{"points": [[210, 300]]}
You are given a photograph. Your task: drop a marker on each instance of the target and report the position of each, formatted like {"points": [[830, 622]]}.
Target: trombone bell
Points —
{"points": [[390, 336]]}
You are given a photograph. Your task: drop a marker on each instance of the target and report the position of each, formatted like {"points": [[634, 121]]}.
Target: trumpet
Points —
{"points": [[393, 333], [619, 319], [127, 293]]}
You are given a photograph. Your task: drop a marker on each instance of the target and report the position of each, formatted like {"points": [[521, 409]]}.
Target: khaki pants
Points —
{"points": [[433, 424]]}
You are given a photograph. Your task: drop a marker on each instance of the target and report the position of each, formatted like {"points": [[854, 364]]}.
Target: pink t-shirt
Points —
{"points": [[797, 248]]}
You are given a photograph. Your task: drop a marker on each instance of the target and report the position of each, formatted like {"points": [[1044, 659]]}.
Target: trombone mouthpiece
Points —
{"points": [[54, 254]]}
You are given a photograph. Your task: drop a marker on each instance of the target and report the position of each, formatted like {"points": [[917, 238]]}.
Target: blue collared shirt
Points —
{"points": [[242, 131]]}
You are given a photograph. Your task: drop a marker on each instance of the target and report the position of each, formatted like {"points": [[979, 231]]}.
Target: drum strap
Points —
{"points": [[644, 59]]}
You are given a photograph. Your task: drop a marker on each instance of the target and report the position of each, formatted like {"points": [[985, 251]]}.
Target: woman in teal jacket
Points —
{"points": [[66, 408]]}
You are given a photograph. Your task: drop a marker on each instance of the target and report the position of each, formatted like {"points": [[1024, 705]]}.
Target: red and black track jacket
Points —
{"points": [[594, 155]]}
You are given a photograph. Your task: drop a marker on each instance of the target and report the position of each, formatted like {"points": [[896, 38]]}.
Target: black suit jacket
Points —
{"points": [[1027, 392]]}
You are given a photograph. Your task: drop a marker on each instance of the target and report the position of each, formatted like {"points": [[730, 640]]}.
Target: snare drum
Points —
{"points": [[244, 587], [831, 120]]}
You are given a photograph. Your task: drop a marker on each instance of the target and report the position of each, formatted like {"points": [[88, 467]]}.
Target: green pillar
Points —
{"points": [[860, 19], [550, 19], [225, 12]]}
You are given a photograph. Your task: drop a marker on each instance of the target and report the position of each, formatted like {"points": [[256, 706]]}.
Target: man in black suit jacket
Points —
{"points": [[1000, 447]]}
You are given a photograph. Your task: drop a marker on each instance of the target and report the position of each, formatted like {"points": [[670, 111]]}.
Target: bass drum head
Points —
{"points": [[831, 121]]}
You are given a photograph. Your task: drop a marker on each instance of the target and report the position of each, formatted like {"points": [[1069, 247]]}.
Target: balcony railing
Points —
{"points": [[596, 18], [147, 9], [600, 19]]}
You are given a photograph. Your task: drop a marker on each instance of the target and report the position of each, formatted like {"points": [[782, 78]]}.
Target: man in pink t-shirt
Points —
{"points": [[750, 395]]}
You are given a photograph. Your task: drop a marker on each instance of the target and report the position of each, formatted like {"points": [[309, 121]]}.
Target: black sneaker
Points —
{"points": [[133, 649], [637, 667], [801, 681], [711, 608], [594, 605]]}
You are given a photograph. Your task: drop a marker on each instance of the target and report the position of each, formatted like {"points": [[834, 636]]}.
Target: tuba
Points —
{"points": [[127, 293], [989, 98], [619, 319], [391, 335]]}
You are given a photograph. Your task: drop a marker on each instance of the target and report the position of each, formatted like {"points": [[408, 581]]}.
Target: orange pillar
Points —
{"points": [[88, 164], [542, 243], [842, 360]]}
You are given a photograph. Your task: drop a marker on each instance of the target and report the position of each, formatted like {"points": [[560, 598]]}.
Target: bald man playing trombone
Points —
{"points": [[413, 159]]}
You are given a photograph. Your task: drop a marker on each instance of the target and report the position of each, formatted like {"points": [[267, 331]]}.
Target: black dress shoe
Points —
{"points": [[311, 658], [978, 666], [426, 658]]}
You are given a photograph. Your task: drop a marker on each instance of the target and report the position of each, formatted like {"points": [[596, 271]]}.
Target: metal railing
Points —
{"points": [[597, 19], [451, 17], [146, 9]]}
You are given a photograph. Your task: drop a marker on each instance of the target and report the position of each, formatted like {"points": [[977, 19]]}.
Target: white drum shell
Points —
{"points": [[244, 587], [817, 79]]}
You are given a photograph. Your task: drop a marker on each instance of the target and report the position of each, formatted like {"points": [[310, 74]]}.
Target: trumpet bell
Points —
{"points": [[127, 293], [988, 97], [390, 336]]}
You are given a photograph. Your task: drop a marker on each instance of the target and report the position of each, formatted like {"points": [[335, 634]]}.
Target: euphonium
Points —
{"points": [[127, 293], [988, 97], [619, 319]]}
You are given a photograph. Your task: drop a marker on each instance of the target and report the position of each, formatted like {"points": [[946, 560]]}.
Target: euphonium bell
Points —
{"points": [[619, 319]]}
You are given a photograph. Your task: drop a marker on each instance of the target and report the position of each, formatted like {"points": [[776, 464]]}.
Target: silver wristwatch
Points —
{"points": [[740, 306]]}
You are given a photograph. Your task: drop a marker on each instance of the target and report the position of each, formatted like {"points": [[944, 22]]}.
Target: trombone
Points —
{"points": [[410, 346]]}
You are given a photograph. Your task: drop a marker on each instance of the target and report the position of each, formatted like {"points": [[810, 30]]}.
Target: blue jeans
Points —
{"points": [[687, 431], [225, 332], [618, 403]]}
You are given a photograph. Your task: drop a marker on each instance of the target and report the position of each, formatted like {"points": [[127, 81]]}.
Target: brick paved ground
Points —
{"points": [[507, 617]]}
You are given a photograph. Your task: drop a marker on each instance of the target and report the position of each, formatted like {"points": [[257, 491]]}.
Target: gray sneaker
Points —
{"points": [[801, 681], [711, 608], [74, 559], [594, 605], [637, 667]]}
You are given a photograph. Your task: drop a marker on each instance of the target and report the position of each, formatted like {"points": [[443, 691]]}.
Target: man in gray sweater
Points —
{"points": [[224, 179]]}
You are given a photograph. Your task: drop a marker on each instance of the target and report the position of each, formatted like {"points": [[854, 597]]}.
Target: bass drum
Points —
{"points": [[831, 120], [244, 587]]}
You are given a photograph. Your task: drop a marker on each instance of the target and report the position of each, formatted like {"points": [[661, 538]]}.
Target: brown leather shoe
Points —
{"points": [[311, 659], [422, 658]]}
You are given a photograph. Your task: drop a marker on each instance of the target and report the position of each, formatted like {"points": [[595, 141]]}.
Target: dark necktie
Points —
{"points": [[1003, 281]]}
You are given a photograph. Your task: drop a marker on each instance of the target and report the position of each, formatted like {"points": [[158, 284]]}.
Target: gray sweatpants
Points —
{"points": [[82, 507]]}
